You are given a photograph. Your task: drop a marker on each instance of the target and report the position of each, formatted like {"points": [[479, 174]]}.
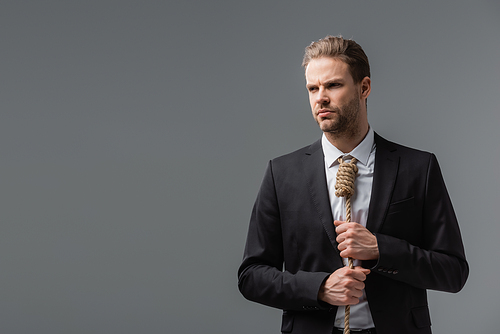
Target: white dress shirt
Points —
{"points": [[360, 317]]}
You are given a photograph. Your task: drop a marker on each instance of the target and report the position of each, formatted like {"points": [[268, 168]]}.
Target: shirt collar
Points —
{"points": [[360, 152]]}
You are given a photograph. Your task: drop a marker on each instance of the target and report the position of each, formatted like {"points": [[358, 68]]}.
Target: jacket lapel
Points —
{"points": [[386, 169], [314, 168]]}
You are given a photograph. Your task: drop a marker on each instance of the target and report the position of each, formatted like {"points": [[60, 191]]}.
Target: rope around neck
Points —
{"points": [[344, 187]]}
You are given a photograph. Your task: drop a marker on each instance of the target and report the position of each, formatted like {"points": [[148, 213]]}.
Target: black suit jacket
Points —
{"points": [[291, 247]]}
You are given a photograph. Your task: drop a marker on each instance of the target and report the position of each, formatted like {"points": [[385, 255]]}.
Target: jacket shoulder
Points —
{"points": [[402, 150]]}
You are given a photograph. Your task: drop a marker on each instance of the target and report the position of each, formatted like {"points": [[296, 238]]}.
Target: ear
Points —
{"points": [[366, 87]]}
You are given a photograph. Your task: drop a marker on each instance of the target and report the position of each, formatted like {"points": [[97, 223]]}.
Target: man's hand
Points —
{"points": [[344, 287], [356, 241]]}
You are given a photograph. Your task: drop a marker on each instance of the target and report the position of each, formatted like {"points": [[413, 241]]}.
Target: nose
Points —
{"points": [[322, 97]]}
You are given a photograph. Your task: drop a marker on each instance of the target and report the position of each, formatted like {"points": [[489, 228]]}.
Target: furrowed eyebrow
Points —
{"points": [[334, 81], [329, 82]]}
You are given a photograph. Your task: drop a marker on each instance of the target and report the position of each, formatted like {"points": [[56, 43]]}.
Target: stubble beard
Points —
{"points": [[345, 123]]}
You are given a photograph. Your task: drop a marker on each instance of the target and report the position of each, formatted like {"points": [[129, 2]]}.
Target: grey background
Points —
{"points": [[134, 137]]}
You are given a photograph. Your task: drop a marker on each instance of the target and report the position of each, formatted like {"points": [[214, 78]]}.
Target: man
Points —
{"points": [[404, 236]]}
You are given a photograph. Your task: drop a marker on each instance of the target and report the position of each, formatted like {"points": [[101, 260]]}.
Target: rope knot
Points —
{"points": [[344, 187]]}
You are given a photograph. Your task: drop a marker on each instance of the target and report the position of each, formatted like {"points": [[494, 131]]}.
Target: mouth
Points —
{"points": [[324, 112]]}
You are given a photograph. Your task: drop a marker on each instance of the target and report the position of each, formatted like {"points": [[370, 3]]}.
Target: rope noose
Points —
{"points": [[344, 187]]}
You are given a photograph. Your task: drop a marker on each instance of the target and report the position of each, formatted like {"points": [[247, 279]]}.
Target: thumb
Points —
{"points": [[363, 270]]}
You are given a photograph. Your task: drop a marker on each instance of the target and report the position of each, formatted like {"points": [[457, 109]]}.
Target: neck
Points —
{"points": [[346, 142]]}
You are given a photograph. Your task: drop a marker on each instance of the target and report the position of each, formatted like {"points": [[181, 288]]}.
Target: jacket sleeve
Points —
{"points": [[261, 277], [437, 261]]}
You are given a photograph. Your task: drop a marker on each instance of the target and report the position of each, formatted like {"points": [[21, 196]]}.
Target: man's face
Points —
{"points": [[333, 95]]}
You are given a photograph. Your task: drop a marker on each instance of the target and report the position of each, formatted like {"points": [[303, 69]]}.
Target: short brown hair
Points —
{"points": [[346, 50]]}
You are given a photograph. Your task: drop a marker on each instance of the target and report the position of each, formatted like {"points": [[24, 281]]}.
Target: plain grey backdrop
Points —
{"points": [[134, 136]]}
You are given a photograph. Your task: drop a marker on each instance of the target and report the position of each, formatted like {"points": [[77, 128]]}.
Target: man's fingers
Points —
{"points": [[338, 222], [342, 226], [344, 286]]}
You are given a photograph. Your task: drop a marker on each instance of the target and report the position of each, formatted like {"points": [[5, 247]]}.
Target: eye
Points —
{"points": [[312, 89]]}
